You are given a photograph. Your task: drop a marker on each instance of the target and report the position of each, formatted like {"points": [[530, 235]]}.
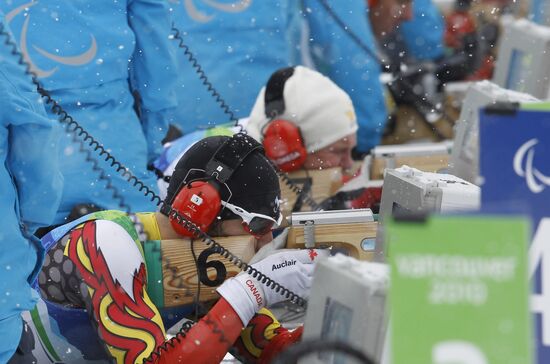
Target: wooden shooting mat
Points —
{"points": [[179, 274]]}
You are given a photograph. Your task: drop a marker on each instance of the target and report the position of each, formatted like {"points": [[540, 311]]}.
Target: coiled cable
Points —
{"points": [[203, 78], [170, 344], [308, 347]]}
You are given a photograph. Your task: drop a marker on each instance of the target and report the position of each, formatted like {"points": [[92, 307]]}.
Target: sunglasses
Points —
{"points": [[255, 224]]}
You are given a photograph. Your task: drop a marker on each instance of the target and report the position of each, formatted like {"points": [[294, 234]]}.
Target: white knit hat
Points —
{"points": [[322, 110]]}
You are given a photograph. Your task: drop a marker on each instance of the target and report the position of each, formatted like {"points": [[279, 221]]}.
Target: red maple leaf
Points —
{"points": [[312, 254]]}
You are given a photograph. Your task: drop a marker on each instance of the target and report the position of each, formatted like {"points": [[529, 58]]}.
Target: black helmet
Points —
{"points": [[253, 185]]}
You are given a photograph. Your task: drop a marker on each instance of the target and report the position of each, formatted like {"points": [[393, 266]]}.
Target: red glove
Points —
{"points": [[280, 343], [264, 338]]}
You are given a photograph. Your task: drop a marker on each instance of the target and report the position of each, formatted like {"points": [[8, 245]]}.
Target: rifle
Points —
{"points": [[352, 232], [428, 157]]}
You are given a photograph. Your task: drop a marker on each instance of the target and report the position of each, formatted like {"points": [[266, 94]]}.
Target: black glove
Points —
{"points": [[357, 155], [338, 201]]}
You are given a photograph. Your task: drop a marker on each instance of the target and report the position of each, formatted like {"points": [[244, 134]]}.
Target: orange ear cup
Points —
{"points": [[283, 145], [200, 202]]}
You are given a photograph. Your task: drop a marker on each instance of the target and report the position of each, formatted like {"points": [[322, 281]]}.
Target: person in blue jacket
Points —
{"points": [[423, 34], [238, 45], [333, 52], [30, 190], [93, 57]]}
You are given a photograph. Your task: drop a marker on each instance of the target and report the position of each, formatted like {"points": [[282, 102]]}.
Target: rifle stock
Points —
{"points": [[349, 238], [351, 231], [428, 157]]}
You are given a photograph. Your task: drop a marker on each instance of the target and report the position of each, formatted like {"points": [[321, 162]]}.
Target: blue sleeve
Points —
{"points": [[294, 31], [153, 69], [33, 154], [30, 189], [423, 34], [539, 12], [338, 56]]}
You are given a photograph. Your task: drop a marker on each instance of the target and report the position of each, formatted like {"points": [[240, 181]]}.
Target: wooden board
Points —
{"points": [[179, 273], [427, 163], [180, 276], [410, 127], [324, 184], [349, 237]]}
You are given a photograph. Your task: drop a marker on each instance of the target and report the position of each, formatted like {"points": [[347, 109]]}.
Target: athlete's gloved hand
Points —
{"points": [[292, 269], [270, 248]]}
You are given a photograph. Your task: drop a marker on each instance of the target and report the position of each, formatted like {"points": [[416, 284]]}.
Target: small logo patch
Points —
{"points": [[312, 254], [254, 292], [286, 263], [196, 200]]}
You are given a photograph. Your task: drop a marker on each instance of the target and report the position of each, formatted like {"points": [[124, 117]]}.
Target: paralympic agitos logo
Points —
{"points": [[75, 60], [194, 13], [523, 166]]}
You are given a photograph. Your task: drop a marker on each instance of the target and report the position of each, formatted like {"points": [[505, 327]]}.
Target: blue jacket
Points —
{"points": [[88, 54], [237, 46], [539, 12], [30, 190], [423, 34], [333, 52]]}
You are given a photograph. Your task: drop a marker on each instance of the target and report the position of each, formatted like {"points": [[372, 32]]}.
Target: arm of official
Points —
{"points": [[153, 69]]}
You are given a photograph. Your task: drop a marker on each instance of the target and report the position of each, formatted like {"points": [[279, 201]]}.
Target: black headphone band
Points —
{"points": [[230, 155], [221, 166], [274, 101]]}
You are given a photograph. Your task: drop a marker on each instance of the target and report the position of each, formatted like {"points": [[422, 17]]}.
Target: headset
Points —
{"points": [[199, 198], [282, 139]]}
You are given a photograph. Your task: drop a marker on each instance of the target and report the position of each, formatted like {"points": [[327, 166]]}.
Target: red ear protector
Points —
{"points": [[282, 139], [199, 200]]}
